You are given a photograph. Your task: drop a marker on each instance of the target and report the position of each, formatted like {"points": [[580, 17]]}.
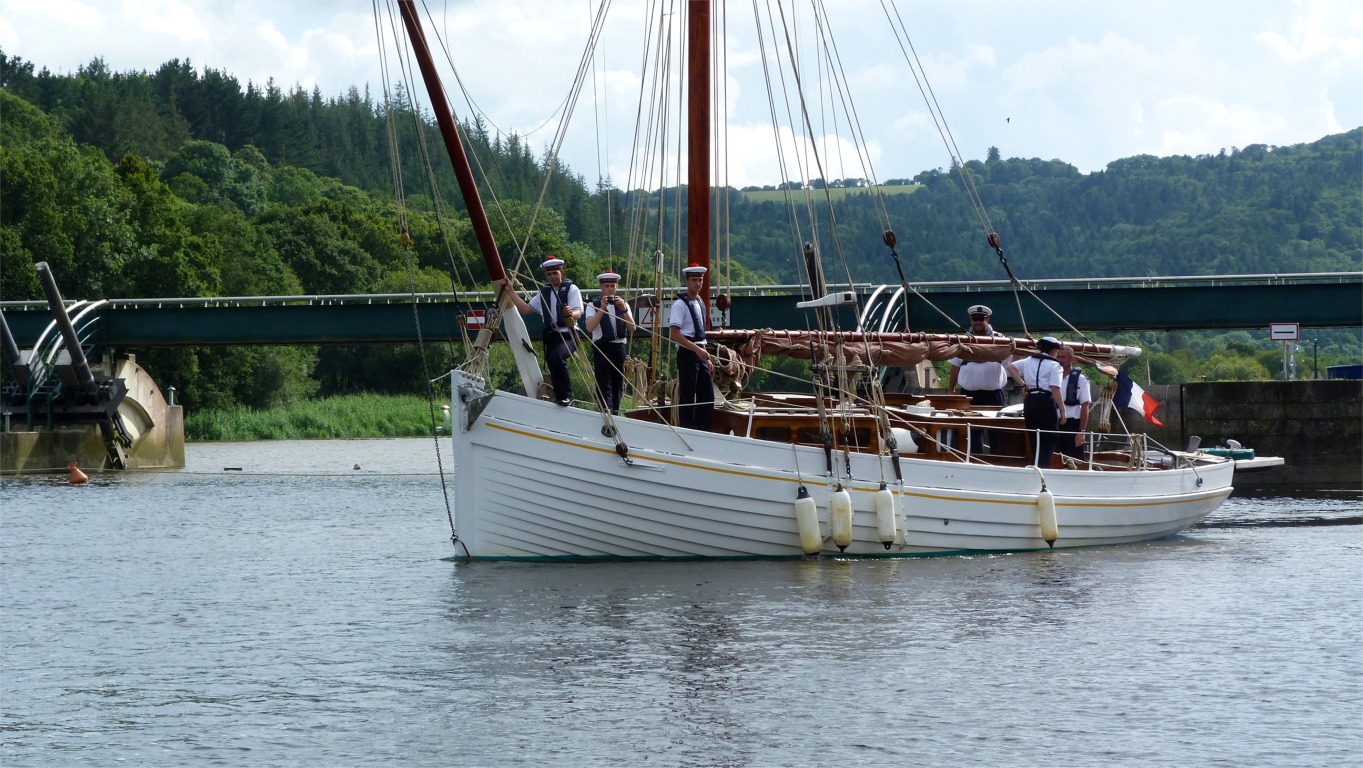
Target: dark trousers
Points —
{"points": [[608, 360], [695, 392], [558, 347], [983, 397], [1038, 411], [1067, 432]]}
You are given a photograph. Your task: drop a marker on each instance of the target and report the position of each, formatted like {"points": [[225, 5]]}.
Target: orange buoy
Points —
{"points": [[77, 476]]}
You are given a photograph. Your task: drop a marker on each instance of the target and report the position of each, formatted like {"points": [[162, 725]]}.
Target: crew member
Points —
{"points": [[1078, 399], [695, 387], [559, 305], [610, 322], [1044, 409], [982, 382]]}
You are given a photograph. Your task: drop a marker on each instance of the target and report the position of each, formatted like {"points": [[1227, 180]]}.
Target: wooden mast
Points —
{"points": [[513, 323], [698, 143], [449, 131]]}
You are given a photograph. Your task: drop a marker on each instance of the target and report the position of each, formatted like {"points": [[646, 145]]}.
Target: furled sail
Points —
{"points": [[896, 349]]}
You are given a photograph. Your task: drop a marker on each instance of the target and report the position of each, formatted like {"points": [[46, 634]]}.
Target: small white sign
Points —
{"points": [[1284, 331], [645, 315]]}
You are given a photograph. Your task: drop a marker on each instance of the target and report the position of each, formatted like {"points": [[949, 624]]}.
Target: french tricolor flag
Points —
{"points": [[1130, 395]]}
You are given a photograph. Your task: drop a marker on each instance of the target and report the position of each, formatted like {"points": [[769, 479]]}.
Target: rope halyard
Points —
{"points": [[405, 243]]}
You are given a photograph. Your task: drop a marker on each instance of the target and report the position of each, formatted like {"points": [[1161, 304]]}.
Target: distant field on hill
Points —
{"points": [[777, 196]]}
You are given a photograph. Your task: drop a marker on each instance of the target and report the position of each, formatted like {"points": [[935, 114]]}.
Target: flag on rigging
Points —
{"points": [[1130, 395]]}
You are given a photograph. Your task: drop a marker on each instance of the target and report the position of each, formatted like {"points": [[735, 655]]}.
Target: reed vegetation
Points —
{"points": [[344, 416]]}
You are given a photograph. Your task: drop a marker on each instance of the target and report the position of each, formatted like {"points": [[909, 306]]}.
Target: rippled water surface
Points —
{"points": [[295, 610]]}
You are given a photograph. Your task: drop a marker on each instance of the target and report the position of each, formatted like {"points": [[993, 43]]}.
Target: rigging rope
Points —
{"points": [[896, 22], [934, 109], [406, 243]]}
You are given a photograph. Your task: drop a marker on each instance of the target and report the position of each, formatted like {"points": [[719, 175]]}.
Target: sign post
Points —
{"points": [[1284, 332]]}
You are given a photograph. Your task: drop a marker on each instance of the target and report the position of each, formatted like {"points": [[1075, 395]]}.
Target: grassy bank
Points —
{"points": [[349, 416]]}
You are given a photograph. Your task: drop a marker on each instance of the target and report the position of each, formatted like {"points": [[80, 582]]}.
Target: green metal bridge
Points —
{"points": [[1253, 302]]}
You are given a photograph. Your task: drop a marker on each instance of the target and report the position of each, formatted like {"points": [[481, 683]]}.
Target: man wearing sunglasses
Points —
{"points": [[982, 382]]}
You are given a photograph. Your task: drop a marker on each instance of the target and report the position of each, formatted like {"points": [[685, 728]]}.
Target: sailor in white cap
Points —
{"points": [[610, 322], [1044, 407], [982, 382], [695, 388], [559, 305]]}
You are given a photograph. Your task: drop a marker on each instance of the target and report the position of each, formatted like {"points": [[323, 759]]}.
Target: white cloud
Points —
{"points": [[1070, 79], [9, 36], [1320, 29], [171, 18]]}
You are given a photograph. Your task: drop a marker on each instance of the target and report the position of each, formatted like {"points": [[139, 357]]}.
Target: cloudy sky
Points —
{"points": [[1083, 81]]}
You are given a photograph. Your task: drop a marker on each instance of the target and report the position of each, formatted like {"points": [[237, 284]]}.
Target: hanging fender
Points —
{"points": [[807, 522], [887, 522], [1045, 513], [840, 518]]}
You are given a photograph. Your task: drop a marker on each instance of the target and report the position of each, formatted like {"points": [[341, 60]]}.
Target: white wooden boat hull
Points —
{"points": [[536, 481]]}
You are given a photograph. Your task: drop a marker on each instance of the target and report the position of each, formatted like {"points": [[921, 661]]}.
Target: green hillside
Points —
{"points": [[181, 182], [836, 194]]}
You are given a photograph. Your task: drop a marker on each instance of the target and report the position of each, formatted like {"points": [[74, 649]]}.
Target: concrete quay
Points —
{"points": [[1315, 426]]}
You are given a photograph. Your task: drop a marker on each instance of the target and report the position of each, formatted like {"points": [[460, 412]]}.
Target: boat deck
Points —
{"points": [[940, 425]]}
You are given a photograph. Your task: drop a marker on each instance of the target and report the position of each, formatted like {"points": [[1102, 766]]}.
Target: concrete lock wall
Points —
{"points": [[1315, 426], [50, 450], [157, 429]]}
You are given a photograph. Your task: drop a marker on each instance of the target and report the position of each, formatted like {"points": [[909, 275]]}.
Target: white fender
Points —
{"points": [[886, 519], [840, 518], [904, 442], [807, 520], [1045, 513]]}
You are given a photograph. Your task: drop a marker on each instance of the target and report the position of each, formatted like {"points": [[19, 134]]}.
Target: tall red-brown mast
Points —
{"points": [[444, 117], [698, 142], [513, 325]]}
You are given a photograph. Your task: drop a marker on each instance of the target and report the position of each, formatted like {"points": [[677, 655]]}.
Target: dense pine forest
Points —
{"points": [[184, 182]]}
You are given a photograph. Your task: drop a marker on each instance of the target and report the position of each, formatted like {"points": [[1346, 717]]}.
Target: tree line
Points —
{"points": [[182, 182]]}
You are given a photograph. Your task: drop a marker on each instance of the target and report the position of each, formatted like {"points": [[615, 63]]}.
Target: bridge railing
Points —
{"points": [[1296, 278], [1313, 300]]}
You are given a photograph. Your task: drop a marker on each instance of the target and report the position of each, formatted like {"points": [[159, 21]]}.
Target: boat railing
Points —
{"points": [[790, 419], [1137, 451]]}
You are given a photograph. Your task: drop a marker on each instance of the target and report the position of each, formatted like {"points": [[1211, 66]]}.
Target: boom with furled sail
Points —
{"points": [[885, 348]]}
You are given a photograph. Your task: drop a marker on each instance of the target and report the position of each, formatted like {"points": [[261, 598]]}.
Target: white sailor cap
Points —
{"points": [[980, 309], [608, 277], [553, 262], [1048, 343], [694, 269]]}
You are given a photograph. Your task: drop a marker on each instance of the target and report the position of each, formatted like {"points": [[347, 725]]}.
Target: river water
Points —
{"points": [[273, 604]]}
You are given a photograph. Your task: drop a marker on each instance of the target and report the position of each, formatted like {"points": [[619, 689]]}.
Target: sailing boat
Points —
{"points": [[832, 473]]}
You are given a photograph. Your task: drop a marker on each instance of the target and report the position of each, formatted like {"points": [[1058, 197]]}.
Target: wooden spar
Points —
{"points": [[731, 336], [513, 325], [698, 143], [444, 117]]}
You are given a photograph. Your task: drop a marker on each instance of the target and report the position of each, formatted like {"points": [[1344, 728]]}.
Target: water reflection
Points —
{"points": [[1320, 509], [190, 618], [706, 680], [705, 628], [575, 634]]}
